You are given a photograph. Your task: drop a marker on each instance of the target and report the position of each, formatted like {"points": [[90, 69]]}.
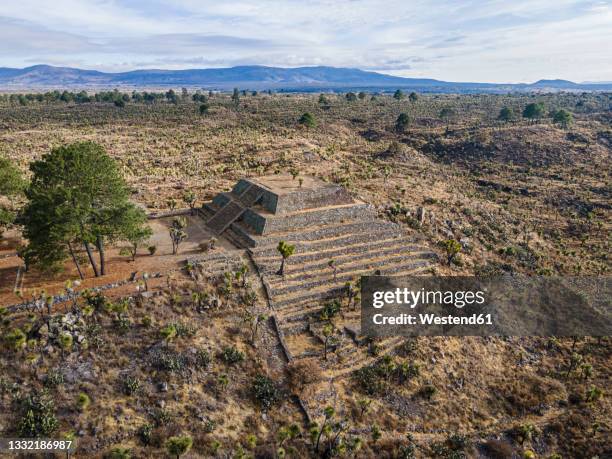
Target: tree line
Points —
{"points": [[117, 97]]}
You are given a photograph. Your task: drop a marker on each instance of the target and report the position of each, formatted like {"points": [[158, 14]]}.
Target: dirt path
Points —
{"points": [[119, 267]]}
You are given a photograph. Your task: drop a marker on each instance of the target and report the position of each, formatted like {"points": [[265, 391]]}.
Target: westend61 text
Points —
{"points": [[432, 319]]}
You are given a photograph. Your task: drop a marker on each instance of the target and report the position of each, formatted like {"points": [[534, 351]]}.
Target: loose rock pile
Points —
{"points": [[63, 325]]}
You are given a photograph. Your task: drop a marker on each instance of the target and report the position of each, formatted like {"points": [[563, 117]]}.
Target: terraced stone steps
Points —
{"points": [[217, 262], [329, 243], [300, 322], [346, 356], [367, 260], [320, 216], [336, 288], [290, 316], [349, 233], [365, 267], [316, 232], [281, 303], [214, 256], [294, 328], [313, 260], [305, 260], [355, 271], [299, 305]]}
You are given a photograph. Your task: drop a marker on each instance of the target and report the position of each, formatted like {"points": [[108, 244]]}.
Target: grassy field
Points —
{"points": [[524, 196]]}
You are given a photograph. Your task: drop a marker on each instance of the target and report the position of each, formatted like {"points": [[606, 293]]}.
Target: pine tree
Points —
{"points": [[505, 114], [402, 122], [563, 117], [534, 111], [77, 197], [308, 120]]}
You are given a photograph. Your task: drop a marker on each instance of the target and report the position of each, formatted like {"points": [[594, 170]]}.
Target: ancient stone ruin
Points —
{"points": [[337, 239]]}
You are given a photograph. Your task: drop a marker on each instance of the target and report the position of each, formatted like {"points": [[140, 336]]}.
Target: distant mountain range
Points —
{"points": [[261, 77]]}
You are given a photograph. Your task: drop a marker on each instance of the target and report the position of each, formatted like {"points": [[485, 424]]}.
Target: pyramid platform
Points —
{"points": [[337, 239]]}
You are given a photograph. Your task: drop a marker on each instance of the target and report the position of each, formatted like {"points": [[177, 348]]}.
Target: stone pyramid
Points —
{"points": [[337, 239]]}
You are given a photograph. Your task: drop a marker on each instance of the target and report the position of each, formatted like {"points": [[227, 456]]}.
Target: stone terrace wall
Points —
{"points": [[329, 195], [324, 216]]}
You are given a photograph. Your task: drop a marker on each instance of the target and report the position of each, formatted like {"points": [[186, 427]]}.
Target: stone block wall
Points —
{"points": [[310, 199], [324, 216]]}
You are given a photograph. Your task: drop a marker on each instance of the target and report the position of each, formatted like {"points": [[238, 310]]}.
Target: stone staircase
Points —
{"points": [[233, 208], [225, 217]]}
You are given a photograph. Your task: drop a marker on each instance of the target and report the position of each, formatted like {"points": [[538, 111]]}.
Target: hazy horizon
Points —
{"points": [[305, 66], [474, 41]]}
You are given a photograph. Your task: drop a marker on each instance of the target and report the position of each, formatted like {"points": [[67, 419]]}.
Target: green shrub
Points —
{"points": [[184, 330], [15, 339], [265, 391], [202, 359], [162, 417], [168, 332], [53, 379], [177, 446], [428, 391], [131, 385], [368, 380], [122, 324], [38, 419], [402, 122], [65, 341], [210, 426], [330, 310], [308, 120], [145, 433], [119, 452], [231, 355], [95, 299], [168, 360], [251, 441], [83, 401]]}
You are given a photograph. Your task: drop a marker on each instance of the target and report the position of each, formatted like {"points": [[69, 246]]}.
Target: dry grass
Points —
{"points": [[530, 198]]}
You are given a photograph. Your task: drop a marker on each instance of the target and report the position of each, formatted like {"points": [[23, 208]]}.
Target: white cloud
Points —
{"points": [[460, 41]]}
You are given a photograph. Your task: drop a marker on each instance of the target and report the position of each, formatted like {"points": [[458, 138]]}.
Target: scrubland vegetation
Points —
{"points": [[191, 365]]}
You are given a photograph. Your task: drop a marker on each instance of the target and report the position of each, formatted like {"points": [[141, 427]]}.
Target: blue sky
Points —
{"points": [[487, 41]]}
